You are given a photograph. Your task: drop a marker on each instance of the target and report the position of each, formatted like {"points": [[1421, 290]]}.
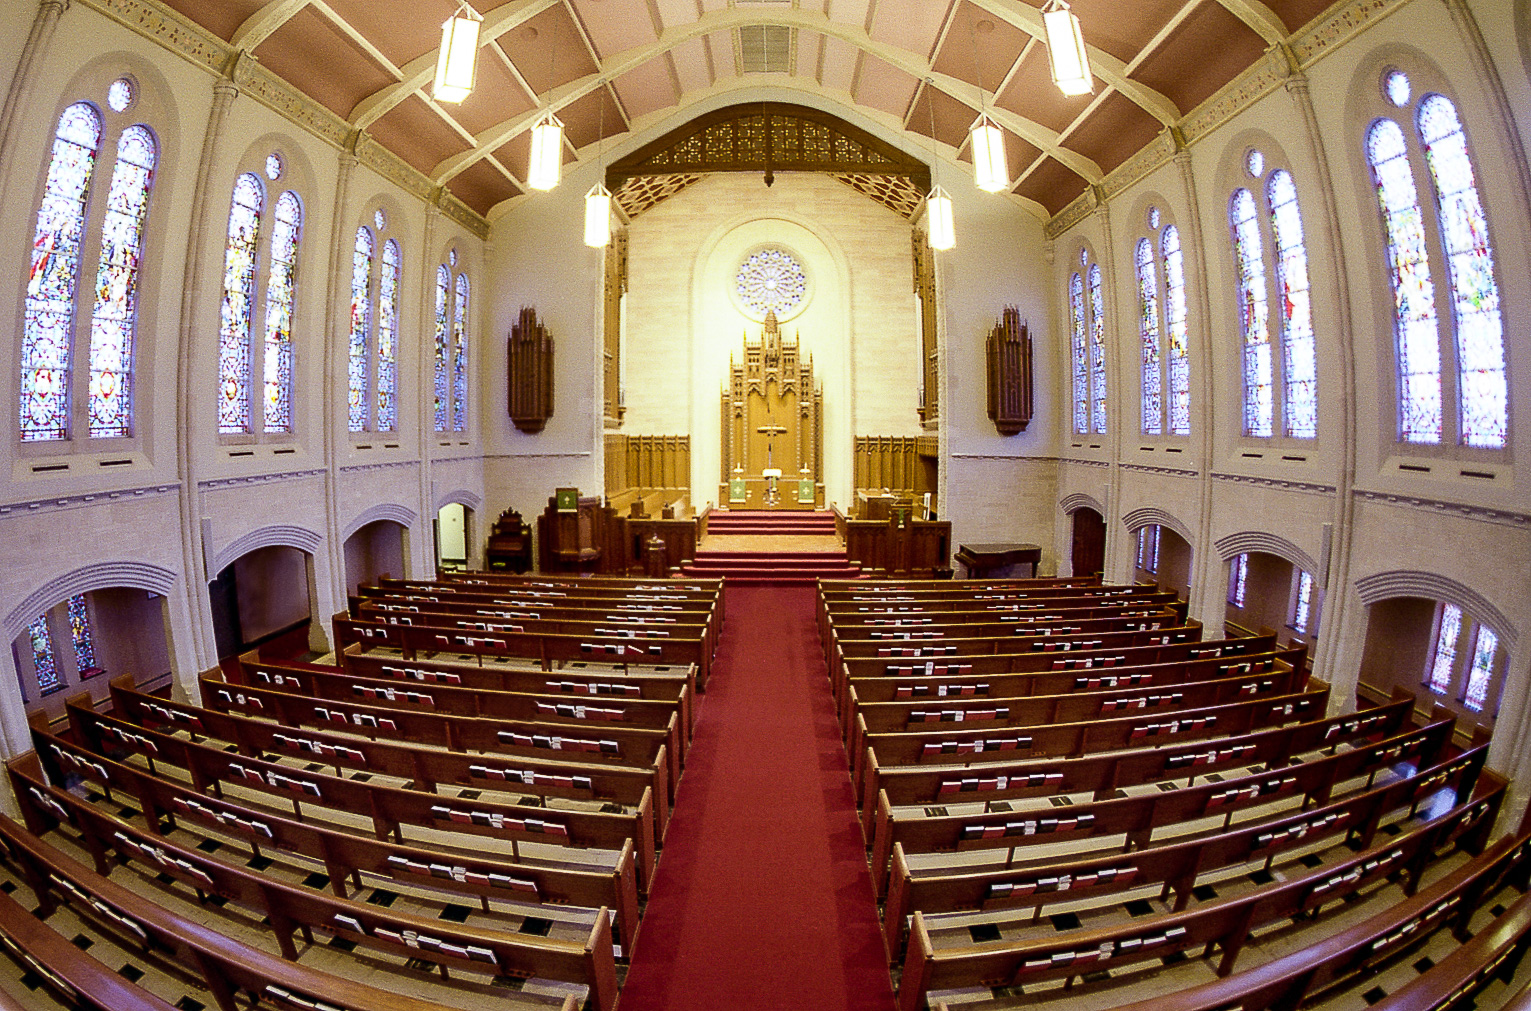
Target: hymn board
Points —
{"points": [[773, 453]]}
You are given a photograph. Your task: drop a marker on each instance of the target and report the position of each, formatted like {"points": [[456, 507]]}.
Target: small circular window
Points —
{"points": [[121, 94], [1395, 85], [273, 166], [380, 219], [1153, 217], [771, 280], [1255, 163], [452, 257]]}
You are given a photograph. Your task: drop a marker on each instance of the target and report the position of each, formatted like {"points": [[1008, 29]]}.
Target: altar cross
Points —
{"points": [[771, 432]]}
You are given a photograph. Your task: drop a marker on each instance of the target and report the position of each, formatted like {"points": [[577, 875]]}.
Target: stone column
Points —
{"points": [[32, 54]]}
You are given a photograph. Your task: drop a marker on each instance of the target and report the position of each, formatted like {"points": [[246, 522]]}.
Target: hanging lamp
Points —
{"points": [[547, 136], [457, 59], [991, 170], [938, 205], [1065, 50], [598, 200]]}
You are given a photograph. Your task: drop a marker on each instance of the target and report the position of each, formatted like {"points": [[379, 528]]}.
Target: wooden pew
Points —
{"points": [[389, 808], [1224, 925], [1176, 864], [225, 965], [345, 855], [889, 786], [1453, 981]]}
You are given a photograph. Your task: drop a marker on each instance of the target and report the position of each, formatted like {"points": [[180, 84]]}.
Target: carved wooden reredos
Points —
{"points": [[529, 354], [772, 414]]}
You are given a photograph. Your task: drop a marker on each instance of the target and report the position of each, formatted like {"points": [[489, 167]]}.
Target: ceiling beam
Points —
{"points": [[1259, 18], [258, 27]]}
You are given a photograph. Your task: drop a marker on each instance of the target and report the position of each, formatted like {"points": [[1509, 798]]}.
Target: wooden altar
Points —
{"points": [[772, 414]]}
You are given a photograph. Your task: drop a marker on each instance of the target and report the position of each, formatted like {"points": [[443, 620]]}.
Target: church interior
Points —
{"points": [[548, 503]]}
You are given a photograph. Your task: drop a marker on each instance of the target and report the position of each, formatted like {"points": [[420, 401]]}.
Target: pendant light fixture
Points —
{"points": [[547, 135], [986, 142], [1066, 51], [457, 60], [938, 205], [598, 200]]}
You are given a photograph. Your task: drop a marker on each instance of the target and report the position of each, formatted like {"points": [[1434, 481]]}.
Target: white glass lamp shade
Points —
{"points": [[547, 153], [1066, 52], [597, 216], [457, 61], [938, 213], [990, 170]]}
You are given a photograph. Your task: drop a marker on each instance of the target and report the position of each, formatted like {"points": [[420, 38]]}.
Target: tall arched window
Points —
{"points": [[388, 339], [1081, 356], [1249, 260], [443, 346], [1097, 351], [1299, 355], [1148, 332], [56, 398], [1175, 330], [1460, 359], [360, 368], [460, 357], [236, 314], [281, 286]]}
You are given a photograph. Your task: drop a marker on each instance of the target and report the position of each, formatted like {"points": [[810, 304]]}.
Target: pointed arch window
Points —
{"points": [[1299, 354], [360, 361], [1148, 332], [1238, 580], [443, 346], [235, 315], [1081, 356], [451, 350], [1452, 386], [460, 357], [281, 289], [1249, 261], [1097, 352], [1465, 662], [43, 660], [57, 398], [1175, 330], [388, 339]]}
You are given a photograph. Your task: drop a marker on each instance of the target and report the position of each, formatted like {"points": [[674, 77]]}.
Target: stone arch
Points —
{"points": [[1078, 500], [99, 576], [461, 496], [1267, 543], [1151, 515], [276, 535], [1405, 583], [391, 511]]}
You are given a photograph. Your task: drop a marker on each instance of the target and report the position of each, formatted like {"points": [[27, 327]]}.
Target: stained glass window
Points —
{"points": [[1249, 261], [273, 166], [388, 339], [1081, 356], [1302, 609], [361, 326], [1097, 350], [43, 659], [1445, 649], [1414, 316], [1482, 388], [54, 273], [1298, 352], [1148, 329], [234, 352], [119, 95], [281, 284], [1238, 579], [1481, 673], [1175, 330], [460, 357], [114, 320], [80, 632], [443, 344]]}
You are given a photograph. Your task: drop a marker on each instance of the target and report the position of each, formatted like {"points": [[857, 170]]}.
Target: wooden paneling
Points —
{"points": [[616, 287], [900, 546], [925, 291]]}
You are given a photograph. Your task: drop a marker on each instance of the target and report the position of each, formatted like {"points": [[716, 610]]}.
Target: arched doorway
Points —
{"points": [[83, 641], [375, 550], [1162, 556], [264, 600], [1268, 594], [452, 536], [1088, 555], [1437, 650]]}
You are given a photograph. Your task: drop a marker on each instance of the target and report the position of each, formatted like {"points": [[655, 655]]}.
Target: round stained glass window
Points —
{"points": [[273, 166], [380, 219], [120, 95], [452, 257], [1395, 85], [1084, 257], [1255, 163], [1153, 217], [771, 280]]}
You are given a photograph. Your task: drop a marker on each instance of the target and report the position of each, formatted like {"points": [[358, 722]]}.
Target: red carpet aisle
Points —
{"points": [[763, 900]]}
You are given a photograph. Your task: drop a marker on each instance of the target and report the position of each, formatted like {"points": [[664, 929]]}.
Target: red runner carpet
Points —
{"points": [[762, 899]]}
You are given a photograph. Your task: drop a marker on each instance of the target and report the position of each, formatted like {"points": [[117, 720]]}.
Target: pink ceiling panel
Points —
{"points": [[1033, 94], [849, 12], [221, 17], [721, 45], [591, 118], [1123, 29], [531, 47], [1115, 131], [414, 132], [400, 39], [497, 95], [808, 46], [1052, 185], [691, 65], [884, 86], [317, 57], [646, 88], [909, 24], [1206, 50], [676, 12], [979, 48], [952, 118], [840, 60], [1296, 13], [481, 186], [516, 153], [615, 27]]}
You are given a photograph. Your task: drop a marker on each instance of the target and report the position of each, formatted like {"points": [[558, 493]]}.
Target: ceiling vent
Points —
{"points": [[765, 49]]}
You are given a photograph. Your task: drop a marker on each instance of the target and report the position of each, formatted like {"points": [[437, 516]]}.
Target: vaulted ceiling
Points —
{"points": [[921, 68]]}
